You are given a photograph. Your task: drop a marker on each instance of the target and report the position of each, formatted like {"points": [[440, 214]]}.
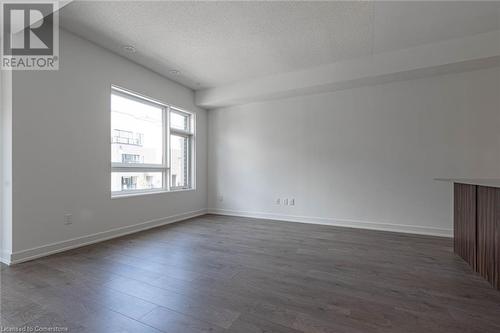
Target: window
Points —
{"points": [[180, 148], [152, 145]]}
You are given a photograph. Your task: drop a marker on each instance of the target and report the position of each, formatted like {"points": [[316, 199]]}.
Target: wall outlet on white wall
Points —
{"points": [[220, 198], [68, 219], [278, 201], [285, 202], [292, 202]]}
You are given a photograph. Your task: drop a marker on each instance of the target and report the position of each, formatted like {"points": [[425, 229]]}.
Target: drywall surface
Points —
{"points": [[5, 165], [448, 56], [364, 157], [61, 151], [3, 235]]}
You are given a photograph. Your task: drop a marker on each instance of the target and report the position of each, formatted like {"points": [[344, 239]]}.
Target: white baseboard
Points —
{"points": [[45, 250], [5, 257], [48, 249], [410, 229]]}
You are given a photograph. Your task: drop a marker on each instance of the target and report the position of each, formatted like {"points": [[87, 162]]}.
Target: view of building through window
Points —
{"points": [[138, 142], [180, 150]]}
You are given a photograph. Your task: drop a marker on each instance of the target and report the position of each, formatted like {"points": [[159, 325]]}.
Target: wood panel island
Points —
{"points": [[476, 216]]}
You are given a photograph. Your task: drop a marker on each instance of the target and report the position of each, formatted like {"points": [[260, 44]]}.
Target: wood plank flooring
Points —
{"points": [[240, 275]]}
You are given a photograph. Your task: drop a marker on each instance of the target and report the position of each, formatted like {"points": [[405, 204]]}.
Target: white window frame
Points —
{"points": [[164, 167], [189, 135]]}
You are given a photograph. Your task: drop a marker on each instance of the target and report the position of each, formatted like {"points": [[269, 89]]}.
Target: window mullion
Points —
{"points": [[180, 132], [166, 130], [135, 166]]}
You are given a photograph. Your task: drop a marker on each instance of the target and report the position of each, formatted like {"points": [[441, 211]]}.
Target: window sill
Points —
{"points": [[139, 194]]}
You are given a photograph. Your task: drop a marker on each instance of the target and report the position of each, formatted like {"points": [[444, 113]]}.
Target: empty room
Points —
{"points": [[250, 166]]}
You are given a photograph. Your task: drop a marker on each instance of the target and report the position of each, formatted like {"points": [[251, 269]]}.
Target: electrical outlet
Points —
{"points": [[285, 202], [221, 198], [68, 219], [292, 202], [278, 201]]}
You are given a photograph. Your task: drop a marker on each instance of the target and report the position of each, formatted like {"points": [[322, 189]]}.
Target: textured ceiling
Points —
{"points": [[216, 43]]}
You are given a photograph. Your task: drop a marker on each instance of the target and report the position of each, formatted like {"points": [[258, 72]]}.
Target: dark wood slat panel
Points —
{"points": [[465, 222], [486, 211], [496, 278]]}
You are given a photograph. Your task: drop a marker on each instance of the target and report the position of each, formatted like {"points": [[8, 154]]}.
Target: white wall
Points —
{"points": [[362, 157], [5, 165], [61, 151], [3, 235]]}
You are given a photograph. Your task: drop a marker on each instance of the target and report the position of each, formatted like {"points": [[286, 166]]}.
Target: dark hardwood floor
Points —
{"points": [[227, 274]]}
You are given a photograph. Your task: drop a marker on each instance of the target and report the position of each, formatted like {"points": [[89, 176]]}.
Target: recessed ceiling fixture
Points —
{"points": [[174, 72], [129, 48]]}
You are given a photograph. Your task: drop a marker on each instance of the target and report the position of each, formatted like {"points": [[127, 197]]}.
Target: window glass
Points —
{"points": [[179, 160], [179, 120], [129, 181], [136, 131]]}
